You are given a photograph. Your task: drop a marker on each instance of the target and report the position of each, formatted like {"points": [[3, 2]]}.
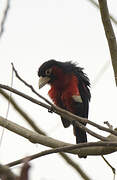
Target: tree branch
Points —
{"points": [[66, 114], [109, 34], [30, 86], [4, 17], [64, 149], [59, 110], [50, 142], [6, 173], [112, 168], [97, 6], [67, 159]]}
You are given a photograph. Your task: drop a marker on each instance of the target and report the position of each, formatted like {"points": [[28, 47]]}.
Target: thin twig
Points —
{"points": [[4, 17], [102, 138], [112, 168], [109, 125], [30, 86]]}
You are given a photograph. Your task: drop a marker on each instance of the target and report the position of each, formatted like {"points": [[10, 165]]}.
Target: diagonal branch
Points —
{"points": [[4, 17], [30, 86], [64, 149], [109, 34], [97, 6], [65, 114], [113, 169], [61, 112]]}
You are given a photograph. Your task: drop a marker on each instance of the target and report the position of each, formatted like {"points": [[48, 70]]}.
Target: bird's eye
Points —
{"points": [[48, 72]]}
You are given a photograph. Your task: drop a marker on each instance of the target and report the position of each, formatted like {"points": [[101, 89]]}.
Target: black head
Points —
{"points": [[43, 69], [47, 75], [45, 72]]}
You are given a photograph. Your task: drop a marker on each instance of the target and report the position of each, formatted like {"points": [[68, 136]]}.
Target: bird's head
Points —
{"points": [[46, 73], [54, 72], [61, 74]]}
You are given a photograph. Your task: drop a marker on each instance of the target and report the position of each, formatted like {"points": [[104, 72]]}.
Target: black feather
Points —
{"points": [[83, 86]]}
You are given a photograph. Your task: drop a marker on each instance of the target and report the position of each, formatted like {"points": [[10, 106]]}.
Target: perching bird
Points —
{"points": [[69, 90]]}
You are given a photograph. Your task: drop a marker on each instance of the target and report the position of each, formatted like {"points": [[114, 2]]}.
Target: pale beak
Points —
{"points": [[43, 81]]}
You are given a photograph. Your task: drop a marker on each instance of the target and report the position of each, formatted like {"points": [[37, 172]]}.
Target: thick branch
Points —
{"points": [[50, 142], [109, 34]]}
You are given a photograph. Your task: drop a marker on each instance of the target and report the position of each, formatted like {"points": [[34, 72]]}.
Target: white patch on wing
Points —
{"points": [[77, 98]]}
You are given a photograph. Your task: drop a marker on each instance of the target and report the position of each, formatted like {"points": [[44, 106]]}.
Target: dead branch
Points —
{"points": [[112, 168], [6, 173], [4, 17], [53, 143], [64, 149], [97, 6], [21, 112], [66, 114], [109, 34]]}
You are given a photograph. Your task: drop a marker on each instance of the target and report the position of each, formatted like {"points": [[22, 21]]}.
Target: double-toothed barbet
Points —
{"points": [[69, 90]]}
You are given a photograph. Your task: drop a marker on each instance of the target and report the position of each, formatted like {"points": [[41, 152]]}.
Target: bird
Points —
{"points": [[69, 89]]}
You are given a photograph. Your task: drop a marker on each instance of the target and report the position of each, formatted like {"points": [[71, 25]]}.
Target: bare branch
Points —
{"points": [[4, 17], [102, 138], [25, 169], [67, 159], [109, 125], [97, 6], [66, 114], [50, 142], [109, 34], [76, 166], [71, 117], [6, 173], [30, 86], [25, 96], [112, 168], [63, 112], [64, 149]]}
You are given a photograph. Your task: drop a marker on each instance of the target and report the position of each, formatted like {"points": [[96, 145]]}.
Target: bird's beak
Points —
{"points": [[43, 81]]}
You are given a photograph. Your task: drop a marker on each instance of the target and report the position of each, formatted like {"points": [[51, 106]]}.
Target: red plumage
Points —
{"points": [[69, 90], [63, 89]]}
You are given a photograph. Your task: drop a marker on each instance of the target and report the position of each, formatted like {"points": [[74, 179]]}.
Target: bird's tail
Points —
{"points": [[81, 137]]}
